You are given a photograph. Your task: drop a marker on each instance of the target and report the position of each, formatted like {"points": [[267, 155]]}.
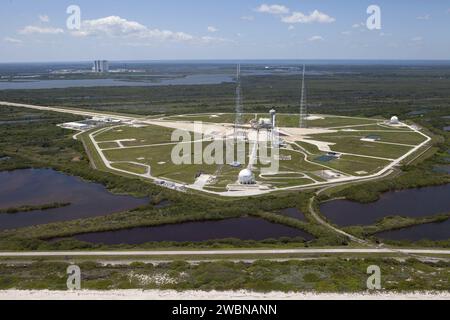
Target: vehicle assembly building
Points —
{"points": [[100, 66]]}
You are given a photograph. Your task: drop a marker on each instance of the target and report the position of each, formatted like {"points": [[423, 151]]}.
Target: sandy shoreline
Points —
{"points": [[212, 295]]}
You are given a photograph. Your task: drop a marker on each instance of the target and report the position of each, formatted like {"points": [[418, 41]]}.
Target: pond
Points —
{"points": [[412, 203], [241, 228], [442, 169], [44, 186], [429, 231], [293, 213]]}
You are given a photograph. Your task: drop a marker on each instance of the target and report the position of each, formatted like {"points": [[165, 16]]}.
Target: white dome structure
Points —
{"points": [[246, 177], [394, 120]]}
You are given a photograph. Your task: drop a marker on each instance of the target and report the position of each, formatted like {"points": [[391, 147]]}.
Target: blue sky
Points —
{"points": [[207, 29]]}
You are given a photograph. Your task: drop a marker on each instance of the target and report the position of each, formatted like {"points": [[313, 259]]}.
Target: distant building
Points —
{"points": [[235, 164], [80, 126], [100, 66], [329, 174]]}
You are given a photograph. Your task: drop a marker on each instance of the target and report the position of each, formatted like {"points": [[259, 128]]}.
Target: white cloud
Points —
{"points": [[12, 40], [111, 26], [114, 26], [248, 18], [346, 33], [273, 9], [424, 17], [28, 30], [417, 39], [291, 27], [133, 32], [315, 16], [137, 34], [316, 38], [44, 18], [212, 40], [358, 25], [212, 29]]}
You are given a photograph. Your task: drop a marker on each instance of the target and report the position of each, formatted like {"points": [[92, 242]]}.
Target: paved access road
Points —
{"points": [[218, 252]]}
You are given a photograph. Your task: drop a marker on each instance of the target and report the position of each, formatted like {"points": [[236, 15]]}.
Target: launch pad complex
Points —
{"points": [[253, 153], [333, 149]]}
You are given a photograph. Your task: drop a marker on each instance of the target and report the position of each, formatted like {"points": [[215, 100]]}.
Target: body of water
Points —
{"points": [[442, 169], [199, 79], [43, 186], [411, 203], [293, 213], [240, 228], [429, 231]]}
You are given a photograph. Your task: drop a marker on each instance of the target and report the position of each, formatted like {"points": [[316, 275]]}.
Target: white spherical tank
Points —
{"points": [[246, 177], [394, 120]]}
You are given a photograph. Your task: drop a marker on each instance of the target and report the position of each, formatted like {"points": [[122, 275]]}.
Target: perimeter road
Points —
{"points": [[218, 252]]}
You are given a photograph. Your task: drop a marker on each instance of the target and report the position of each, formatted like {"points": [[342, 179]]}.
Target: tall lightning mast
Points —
{"points": [[239, 108], [303, 107]]}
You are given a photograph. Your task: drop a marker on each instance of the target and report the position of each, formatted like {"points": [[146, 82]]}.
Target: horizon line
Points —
{"points": [[226, 60]]}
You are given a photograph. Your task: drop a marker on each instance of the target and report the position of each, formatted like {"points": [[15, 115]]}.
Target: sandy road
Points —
{"points": [[218, 252], [214, 295]]}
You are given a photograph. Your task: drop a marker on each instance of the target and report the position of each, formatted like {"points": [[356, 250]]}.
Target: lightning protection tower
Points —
{"points": [[303, 106], [239, 107]]}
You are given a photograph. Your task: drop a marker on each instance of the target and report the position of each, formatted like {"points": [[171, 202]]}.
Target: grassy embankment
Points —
{"points": [[323, 275], [29, 208]]}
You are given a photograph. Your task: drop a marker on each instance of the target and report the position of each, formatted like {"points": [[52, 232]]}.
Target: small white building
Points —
{"points": [[329, 174], [75, 126], [265, 123], [235, 164]]}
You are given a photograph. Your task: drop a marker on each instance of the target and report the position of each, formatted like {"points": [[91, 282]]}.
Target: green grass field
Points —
{"points": [[130, 167], [139, 136], [404, 137], [352, 165], [283, 120], [354, 145]]}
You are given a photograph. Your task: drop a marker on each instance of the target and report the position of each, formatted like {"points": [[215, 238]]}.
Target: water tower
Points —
{"points": [[273, 116]]}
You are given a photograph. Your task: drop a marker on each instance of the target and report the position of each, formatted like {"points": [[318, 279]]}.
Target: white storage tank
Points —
{"points": [[246, 177]]}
